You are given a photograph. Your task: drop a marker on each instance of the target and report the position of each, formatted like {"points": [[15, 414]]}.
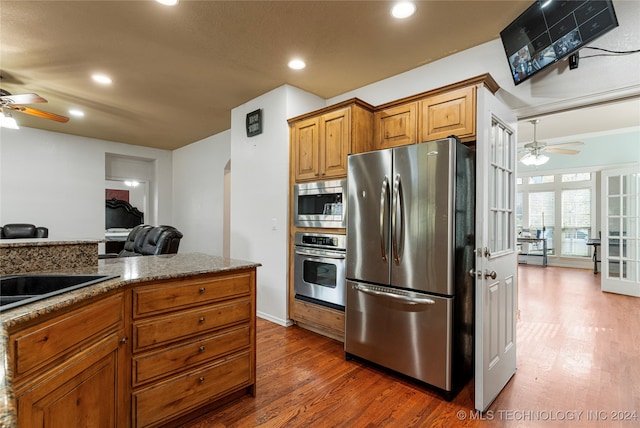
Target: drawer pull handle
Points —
{"points": [[201, 320], [201, 349], [201, 379], [202, 290], [124, 340]]}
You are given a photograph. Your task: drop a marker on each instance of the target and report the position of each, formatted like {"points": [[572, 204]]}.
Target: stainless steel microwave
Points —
{"points": [[320, 204]]}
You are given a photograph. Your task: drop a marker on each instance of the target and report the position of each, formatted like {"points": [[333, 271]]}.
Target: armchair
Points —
{"points": [[146, 240], [23, 230]]}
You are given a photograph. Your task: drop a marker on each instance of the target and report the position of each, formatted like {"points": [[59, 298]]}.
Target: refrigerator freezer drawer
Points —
{"points": [[407, 332]]}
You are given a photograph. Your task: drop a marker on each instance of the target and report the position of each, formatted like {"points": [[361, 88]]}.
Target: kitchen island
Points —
{"points": [[173, 336]]}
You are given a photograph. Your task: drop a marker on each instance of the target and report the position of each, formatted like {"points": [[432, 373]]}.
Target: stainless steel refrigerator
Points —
{"points": [[410, 243]]}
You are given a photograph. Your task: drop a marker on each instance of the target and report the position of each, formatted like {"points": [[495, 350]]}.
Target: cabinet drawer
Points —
{"points": [[156, 405], [64, 335], [175, 294], [168, 361], [160, 330]]}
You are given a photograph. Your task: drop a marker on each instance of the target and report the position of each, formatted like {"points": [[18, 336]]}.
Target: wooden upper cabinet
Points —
{"points": [[450, 113], [306, 135], [396, 126], [334, 144], [321, 141]]}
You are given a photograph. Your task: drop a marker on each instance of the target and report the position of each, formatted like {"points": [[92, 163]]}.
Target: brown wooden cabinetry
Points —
{"points": [[150, 354], [323, 320], [450, 113], [193, 344], [71, 369], [320, 142], [396, 126]]}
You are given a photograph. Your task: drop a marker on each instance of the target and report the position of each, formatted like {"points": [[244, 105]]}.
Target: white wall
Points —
{"points": [[596, 79], [198, 193], [57, 180], [259, 196]]}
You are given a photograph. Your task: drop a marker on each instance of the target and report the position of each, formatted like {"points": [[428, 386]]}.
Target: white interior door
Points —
{"points": [[496, 255], [620, 241]]}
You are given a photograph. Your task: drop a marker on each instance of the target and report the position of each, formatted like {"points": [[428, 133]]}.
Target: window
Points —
{"points": [[542, 217], [565, 202], [581, 176], [576, 222], [539, 179]]}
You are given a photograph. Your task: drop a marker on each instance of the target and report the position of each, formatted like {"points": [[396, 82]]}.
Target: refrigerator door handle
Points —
{"points": [[384, 204], [396, 218], [405, 299]]}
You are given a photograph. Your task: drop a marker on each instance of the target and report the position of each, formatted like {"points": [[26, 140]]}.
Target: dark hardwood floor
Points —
{"points": [[578, 364]]}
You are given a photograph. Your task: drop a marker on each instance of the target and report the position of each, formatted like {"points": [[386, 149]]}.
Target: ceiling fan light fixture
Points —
{"points": [[534, 160], [7, 121]]}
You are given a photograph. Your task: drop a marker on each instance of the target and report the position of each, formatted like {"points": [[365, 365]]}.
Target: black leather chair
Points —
{"points": [[146, 240], [160, 240], [23, 230], [136, 235]]}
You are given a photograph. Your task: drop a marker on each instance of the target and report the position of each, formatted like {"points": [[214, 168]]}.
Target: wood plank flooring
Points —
{"points": [[578, 364]]}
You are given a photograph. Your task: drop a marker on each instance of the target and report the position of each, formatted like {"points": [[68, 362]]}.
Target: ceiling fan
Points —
{"points": [[10, 103], [533, 152]]}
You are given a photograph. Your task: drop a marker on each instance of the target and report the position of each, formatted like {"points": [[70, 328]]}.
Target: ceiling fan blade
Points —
{"points": [[572, 143], [23, 99], [40, 113], [561, 151]]}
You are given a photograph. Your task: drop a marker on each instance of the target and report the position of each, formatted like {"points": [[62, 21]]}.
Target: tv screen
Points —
{"points": [[550, 30]]}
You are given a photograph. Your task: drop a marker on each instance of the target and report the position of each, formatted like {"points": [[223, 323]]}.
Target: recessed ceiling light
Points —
{"points": [[168, 2], [75, 112], [103, 79], [297, 64], [403, 9]]}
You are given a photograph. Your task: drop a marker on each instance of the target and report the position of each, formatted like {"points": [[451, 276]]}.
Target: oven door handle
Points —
{"points": [[320, 254], [405, 299]]}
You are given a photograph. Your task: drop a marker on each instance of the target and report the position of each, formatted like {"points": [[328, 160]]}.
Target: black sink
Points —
{"points": [[17, 290]]}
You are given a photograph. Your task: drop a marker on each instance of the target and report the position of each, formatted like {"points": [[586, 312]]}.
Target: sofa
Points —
{"points": [[23, 230]]}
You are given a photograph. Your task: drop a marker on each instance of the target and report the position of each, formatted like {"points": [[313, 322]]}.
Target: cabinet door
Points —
{"points": [[395, 126], [334, 143], [306, 139], [451, 113], [81, 393]]}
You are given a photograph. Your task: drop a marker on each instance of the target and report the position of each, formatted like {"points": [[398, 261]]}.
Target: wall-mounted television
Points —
{"points": [[550, 30]]}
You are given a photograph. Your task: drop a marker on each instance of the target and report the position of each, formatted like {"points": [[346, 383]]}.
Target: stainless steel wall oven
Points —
{"points": [[320, 204], [319, 268]]}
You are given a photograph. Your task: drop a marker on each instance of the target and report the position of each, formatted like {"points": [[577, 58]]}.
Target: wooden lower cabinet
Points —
{"points": [[80, 394], [157, 404], [193, 344], [153, 354], [320, 319], [72, 369]]}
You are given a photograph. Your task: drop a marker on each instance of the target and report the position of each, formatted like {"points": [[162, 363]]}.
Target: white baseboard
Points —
{"points": [[280, 321]]}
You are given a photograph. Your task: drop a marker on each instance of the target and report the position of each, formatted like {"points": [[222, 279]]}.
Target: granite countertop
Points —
{"points": [[130, 270], [35, 242]]}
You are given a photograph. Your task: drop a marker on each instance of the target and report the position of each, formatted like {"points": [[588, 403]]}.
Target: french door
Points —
{"points": [[496, 255], [620, 241]]}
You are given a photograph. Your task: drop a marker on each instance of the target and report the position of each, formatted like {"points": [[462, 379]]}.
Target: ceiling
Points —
{"points": [[178, 71]]}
